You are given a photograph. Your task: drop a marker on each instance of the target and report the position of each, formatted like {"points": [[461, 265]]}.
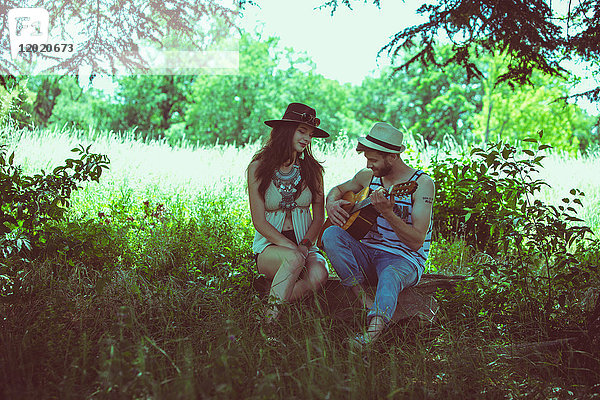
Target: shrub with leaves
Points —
{"points": [[29, 202], [488, 200]]}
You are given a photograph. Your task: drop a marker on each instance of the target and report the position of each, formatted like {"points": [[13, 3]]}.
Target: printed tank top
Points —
{"points": [[382, 236]]}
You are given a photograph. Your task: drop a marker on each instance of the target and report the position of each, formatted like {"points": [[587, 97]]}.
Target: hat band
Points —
{"points": [[308, 118], [383, 144]]}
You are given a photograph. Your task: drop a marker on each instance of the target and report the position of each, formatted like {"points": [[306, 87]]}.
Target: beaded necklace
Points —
{"points": [[286, 184]]}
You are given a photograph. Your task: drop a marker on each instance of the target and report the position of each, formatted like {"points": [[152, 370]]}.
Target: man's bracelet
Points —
{"points": [[306, 242]]}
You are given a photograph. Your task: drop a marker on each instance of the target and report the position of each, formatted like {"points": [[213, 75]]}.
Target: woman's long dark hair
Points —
{"points": [[277, 151]]}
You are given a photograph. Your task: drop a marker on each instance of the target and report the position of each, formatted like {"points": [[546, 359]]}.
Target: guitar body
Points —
{"points": [[363, 221], [360, 222], [353, 198]]}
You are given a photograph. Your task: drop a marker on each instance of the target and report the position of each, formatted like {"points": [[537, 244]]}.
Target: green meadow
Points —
{"points": [[144, 291], [154, 170]]}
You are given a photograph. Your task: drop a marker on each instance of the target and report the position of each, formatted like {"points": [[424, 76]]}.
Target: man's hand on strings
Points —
{"points": [[382, 203]]}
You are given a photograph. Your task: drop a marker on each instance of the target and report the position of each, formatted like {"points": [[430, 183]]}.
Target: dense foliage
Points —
{"points": [[28, 203], [536, 35], [487, 199], [435, 104], [106, 27]]}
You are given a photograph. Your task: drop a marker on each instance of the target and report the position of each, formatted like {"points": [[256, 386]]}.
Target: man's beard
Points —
{"points": [[383, 171]]}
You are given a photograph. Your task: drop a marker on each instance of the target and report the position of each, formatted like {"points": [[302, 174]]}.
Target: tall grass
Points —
{"points": [[155, 170], [163, 309]]}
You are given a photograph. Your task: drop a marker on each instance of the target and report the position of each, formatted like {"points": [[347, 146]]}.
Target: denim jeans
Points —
{"points": [[356, 263]]}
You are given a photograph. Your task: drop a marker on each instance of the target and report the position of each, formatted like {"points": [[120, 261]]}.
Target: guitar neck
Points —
{"points": [[367, 202], [360, 205]]}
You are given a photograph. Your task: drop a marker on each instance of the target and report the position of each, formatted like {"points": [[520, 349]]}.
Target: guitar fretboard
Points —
{"points": [[398, 190], [360, 205]]}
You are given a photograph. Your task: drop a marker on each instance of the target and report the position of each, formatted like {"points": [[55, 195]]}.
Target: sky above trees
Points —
{"points": [[344, 46]]}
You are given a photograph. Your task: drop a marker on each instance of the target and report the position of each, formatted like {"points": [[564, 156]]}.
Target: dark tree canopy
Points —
{"points": [[534, 35], [113, 30]]}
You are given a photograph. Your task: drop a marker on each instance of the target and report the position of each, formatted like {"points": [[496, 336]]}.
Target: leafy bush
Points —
{"points": [[487, 199], [29, 202]]}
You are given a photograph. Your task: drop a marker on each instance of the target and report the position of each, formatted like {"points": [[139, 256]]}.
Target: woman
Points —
{"points": [[284, 180]]}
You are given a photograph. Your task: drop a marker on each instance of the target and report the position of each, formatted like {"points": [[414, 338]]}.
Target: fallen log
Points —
{"points": [[519, 350], [417, 301]]}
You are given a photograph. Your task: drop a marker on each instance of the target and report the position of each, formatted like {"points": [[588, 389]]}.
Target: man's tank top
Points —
{"points": [[382, 236]]}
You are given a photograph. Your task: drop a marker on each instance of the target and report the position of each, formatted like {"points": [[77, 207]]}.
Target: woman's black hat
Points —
{"points": [[298, 112]]}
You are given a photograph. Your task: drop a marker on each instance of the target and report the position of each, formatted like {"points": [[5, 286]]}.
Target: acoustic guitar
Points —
{"points": [[362, 213]]}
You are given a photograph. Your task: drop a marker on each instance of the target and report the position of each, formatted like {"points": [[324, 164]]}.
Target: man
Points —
{"points": [[394, 251]]}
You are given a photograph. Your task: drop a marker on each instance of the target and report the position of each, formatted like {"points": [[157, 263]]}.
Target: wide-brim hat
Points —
{"points": [[298, 112], [384, 137]]}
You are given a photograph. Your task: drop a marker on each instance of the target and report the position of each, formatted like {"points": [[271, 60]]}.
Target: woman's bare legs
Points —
{"points": [[312, 277], [284, 266]]}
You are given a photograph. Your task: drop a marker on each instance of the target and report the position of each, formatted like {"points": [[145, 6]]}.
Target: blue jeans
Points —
{"points": [[356, 263]]}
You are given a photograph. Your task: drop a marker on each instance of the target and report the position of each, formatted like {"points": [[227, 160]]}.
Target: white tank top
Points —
{"points": [[382, 236]]}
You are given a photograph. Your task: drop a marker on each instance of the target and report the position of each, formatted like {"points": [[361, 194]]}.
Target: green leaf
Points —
{"points": [[573, 219], [562, 300], [488, 273], [465, 169]]}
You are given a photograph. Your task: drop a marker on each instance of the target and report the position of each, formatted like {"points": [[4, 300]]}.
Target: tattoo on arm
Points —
{"points": [[428, 200]]}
